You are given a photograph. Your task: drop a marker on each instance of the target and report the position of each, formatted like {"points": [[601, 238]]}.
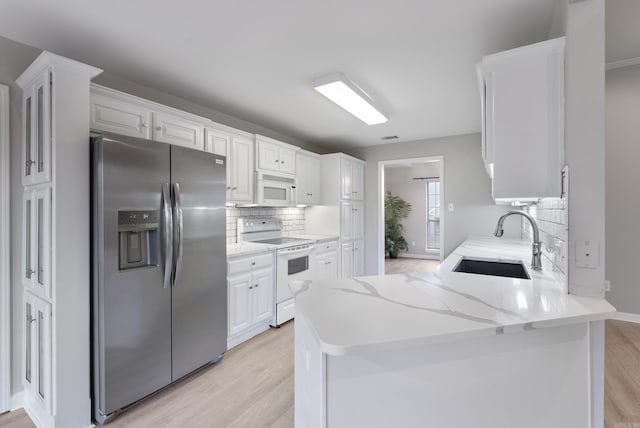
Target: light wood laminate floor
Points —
{"points": [[253, 387], [407, 265], [622, 375]]}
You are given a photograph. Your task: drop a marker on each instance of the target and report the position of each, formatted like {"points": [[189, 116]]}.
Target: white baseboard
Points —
{"points": [[419, 256], [625, 316], [17, 401], [234, 341]]}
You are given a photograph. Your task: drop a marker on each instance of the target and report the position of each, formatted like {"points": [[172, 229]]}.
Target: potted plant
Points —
{"points": [[395, 209]]}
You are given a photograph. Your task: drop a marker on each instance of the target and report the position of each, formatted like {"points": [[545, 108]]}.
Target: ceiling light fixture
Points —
{"points": [[350, 97]]}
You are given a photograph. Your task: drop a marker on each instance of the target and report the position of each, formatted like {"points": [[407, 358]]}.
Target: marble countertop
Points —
{"points": [[318, 238], [392, 311], [247, 249]]}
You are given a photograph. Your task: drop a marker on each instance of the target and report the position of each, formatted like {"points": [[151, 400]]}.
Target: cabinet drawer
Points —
{"points": [[324, 247], [247, 263]]}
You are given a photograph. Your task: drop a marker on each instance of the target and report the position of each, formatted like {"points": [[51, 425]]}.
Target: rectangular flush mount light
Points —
{"points": [[350, 97]]}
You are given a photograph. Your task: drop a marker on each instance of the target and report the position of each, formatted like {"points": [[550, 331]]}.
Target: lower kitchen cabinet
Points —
{"points": [[352, 253], [36, 370], [251, 298], [327, 260]]}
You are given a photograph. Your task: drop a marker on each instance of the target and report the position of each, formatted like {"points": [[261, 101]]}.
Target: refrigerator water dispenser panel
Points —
{"points": [[138, 239]]}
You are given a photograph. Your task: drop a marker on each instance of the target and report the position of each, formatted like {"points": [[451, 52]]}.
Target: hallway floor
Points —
{"points": [[407, 265]]}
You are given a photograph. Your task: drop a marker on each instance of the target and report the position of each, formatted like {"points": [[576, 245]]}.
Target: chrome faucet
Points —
{"points": [[536, 255]]}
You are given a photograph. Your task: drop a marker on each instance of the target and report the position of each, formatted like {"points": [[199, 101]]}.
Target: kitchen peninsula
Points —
{"points": [[449, 348]]}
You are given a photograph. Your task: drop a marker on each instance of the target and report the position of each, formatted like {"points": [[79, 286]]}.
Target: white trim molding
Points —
{"points": [[622, 63], [626, 316], [5, 254]]}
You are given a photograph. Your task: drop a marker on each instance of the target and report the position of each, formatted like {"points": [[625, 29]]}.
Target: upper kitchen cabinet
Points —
{"points": [[308, 178], [343, 178], [114, 111], [352, 177], [178, 130], [275, 156], [522, 100], [37, 128], [238, 147], [119, 113]]}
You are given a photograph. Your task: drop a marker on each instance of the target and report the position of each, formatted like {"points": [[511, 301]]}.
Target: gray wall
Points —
{"points": [[14, 58], [466, 185], [622, 177], [400, 182]]}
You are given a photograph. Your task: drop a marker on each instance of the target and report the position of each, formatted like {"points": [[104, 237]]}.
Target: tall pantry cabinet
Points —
{"points": [[342, 210], [55, 241]]}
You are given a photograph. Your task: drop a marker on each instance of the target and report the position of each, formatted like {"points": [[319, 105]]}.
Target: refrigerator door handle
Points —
{"points": [[179, 232], [167, 235]]}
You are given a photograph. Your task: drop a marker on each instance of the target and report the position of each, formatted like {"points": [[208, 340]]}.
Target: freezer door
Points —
{"points": [[199, 292], [131, 309]]}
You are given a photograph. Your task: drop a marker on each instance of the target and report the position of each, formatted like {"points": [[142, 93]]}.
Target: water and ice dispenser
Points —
{"points": [[138, 239]]}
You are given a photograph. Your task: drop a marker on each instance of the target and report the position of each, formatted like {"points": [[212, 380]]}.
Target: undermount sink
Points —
{"points": [[511, 269]]}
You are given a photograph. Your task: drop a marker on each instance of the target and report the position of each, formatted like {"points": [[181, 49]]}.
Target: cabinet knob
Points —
{"points": [[235, 188], [250, 288], [228, 187], [277, 160], [158, 128], [253, 263], [281, 161], [144, 125], [256, 285]]}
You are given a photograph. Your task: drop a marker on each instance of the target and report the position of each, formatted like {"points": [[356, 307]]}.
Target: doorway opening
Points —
{"points": [[414, 239]]}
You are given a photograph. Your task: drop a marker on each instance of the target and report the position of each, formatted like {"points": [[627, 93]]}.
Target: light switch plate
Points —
{"points": [[450, 207], [587, 254]]}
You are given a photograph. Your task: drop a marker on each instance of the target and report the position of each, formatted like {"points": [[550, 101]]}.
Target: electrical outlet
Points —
{"points": [[450, 207], [607, 285], [413, 243], [587, 254]]}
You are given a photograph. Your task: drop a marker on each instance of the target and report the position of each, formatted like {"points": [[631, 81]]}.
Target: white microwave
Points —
{"points": [[275, 191]]}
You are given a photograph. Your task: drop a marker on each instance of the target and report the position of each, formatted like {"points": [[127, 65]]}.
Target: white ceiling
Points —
{"points": [[622, 37], [257, 59]]}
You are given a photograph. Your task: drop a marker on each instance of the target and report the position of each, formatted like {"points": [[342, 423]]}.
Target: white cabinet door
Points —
{"points": [[346, 177], [321, 266], [42, 335], [263, 302], [115, 115], [287, 158], [36, 364], [241, 182], [358, 258], [268, 159], [37, 131], [347, 259], [308, 178], [28, 339], [240, 296], [177, 130], [217, 142], [36, 238], [357, 181], [358, 220], [331, 271], [346, 220]]}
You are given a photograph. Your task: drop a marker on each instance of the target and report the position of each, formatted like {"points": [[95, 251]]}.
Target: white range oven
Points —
{"points": [[294, 259]]}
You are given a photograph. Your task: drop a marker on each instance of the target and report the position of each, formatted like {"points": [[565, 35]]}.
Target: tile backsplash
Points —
{"points": [[292, 219]]}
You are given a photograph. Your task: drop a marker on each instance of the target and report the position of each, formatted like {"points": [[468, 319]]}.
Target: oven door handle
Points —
{"points": [[303, 250]]}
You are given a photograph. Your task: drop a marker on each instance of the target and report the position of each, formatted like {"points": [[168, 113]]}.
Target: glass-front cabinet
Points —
{"points": [[37, 130], [36, 367], [36, 241]]}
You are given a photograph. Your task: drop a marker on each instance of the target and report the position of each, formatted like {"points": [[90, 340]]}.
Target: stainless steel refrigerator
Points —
{"points": [[159, 293]]}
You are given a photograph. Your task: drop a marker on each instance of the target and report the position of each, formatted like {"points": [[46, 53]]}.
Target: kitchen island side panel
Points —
{"points": [[536, 378]]}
